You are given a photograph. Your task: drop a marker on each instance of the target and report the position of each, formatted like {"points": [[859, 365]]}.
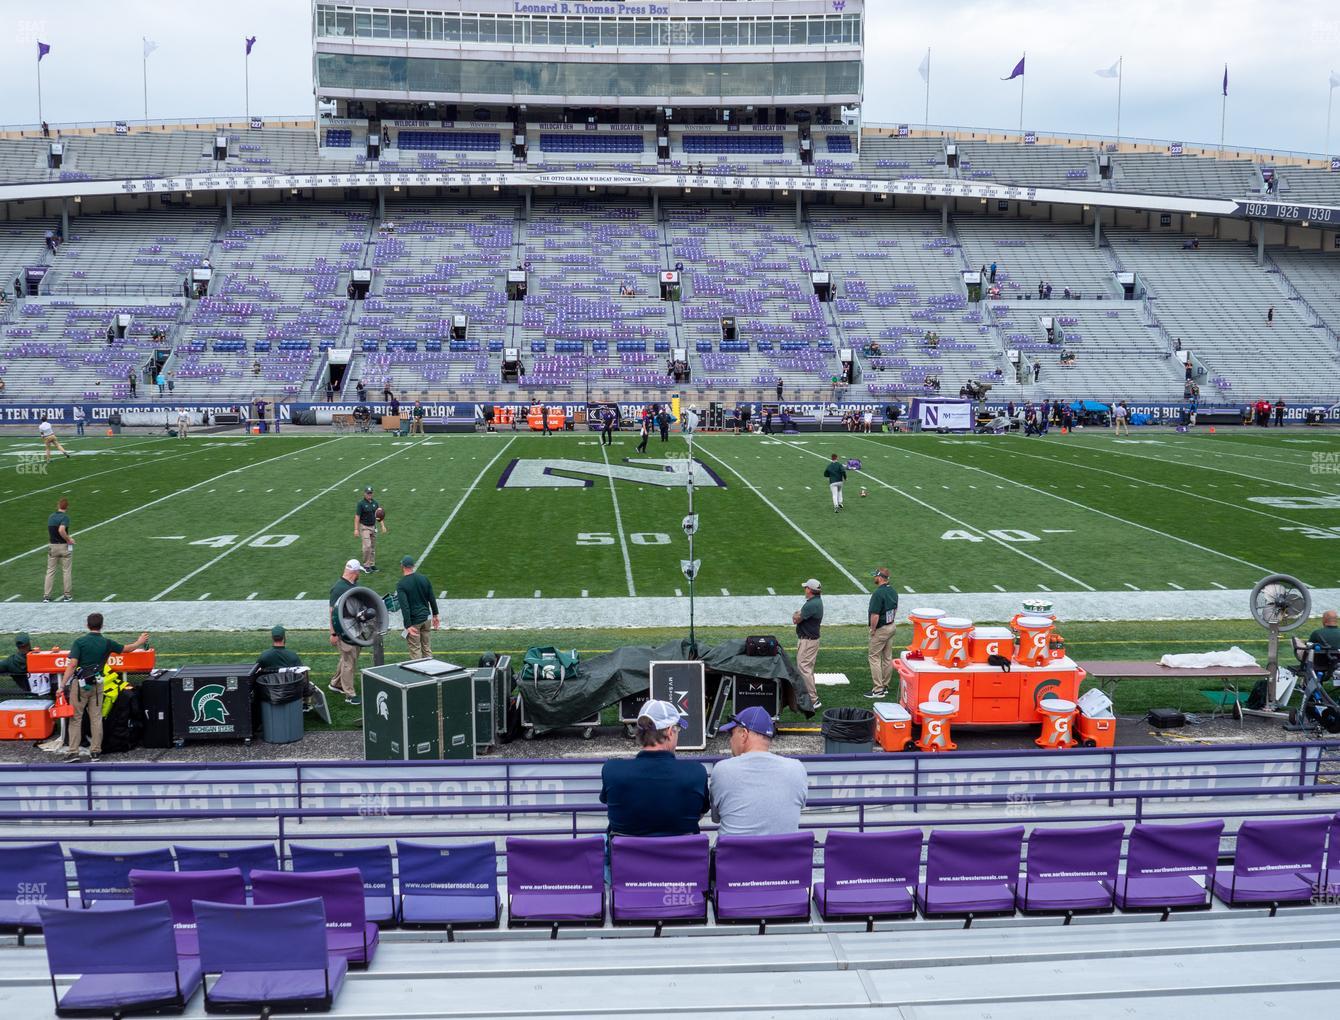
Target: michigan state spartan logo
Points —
{"points": [[207, 705]]}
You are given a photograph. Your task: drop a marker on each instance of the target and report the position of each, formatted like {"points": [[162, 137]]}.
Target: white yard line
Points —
{"points": [[278, 521], [950, 517], [65, 485], [618, 523], [461, 502], [794, 526], [1090, 509], [1181, 491], [171, 495], [1225, 471]]}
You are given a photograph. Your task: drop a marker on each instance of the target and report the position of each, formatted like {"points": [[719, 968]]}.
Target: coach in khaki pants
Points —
{"points": [[418, 609], [883, 609], [808, 619], [59, 547], [343, 680]]}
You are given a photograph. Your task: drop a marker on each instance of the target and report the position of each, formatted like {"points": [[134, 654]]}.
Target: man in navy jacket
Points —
{"points": [[655, 794]]}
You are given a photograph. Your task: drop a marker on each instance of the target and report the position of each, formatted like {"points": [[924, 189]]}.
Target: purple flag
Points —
{"points": [[1017, 72], [42, 50], [1225, 79], [251, 41]]}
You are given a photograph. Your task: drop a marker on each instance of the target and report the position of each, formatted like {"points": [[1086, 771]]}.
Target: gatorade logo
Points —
{"points": [[1040, 644], [942, 688], [19, 720], [383, 709], [207, 705], [932, 634]]}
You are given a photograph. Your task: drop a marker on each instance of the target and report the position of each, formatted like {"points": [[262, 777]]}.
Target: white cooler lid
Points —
{"points": [[891, 711], [1036, 621], [929, 614], [25, 705], [937, 708], [1057, 705], [955, 621], [993, 633]]}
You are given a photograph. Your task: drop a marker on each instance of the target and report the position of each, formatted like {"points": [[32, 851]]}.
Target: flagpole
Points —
{"points": [[144, 65], [39, 91], [1120, 71], [246, 79], [1329, 101], [1022, 78], [926, 119], [1223, 111]]}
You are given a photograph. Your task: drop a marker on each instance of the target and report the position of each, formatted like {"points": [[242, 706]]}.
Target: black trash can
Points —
{"points": [[848, 731], [280, 695]]}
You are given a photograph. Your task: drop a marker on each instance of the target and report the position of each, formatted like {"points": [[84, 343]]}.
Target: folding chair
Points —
{"points": [[454, 886], [1276, 862], [179, 889], [1070, 871], [1169, 866], [659, 879], [869, 875], [348, 931], [104, 878], [763, 878], [372, 862], [555, 881], [30, 875], [971, 873]]}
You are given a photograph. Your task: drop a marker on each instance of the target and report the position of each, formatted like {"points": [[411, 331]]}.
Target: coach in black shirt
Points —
{"points": [[655, 794]]}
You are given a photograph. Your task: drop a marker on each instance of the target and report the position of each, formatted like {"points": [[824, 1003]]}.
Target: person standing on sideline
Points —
{"points": [[60, 547], [779, 391], [606, 427], [84, 665], [368, 515], [1279, 412], [654, 794], [343, 680], [663, 420], [882, 611], [161, 381], [644, 433], [767, 421], [808, 620], [278, 656], [1270, 316], [755, 792], [836, 475], [79, 420], [1121, 419], [416, 419], [544, 420], [183, 422], [418, 609], [49, 440]]}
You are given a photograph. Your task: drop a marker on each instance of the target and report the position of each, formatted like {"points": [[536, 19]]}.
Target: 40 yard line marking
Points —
{"points": [[1082, 506], [962, 524], [276, 522], [461, 502], [172, 495], [795, 527], [618, 522]]}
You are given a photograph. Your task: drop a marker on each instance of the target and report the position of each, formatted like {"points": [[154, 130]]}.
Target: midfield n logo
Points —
{"points": [[541, 473]]}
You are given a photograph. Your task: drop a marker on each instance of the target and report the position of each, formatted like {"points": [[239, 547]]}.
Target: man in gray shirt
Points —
{"points": [[756, 792]]}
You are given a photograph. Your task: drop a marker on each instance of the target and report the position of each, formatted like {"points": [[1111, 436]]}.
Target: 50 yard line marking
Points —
{"points": [[795, 527], [461, 502], [173, 495], [962, 524], [277, 521], [618, 522]]}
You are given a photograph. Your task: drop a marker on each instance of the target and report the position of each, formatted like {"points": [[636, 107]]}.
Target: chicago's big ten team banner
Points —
{"points": [[373, 790]]}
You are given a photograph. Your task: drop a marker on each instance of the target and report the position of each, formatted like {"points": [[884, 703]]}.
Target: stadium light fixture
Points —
{"points": [[495, 187], [1086, 208], [395, 187], [188, 194], [1304, 224], [78, 199], [984, 201], [785, 192], [1193, 216]]}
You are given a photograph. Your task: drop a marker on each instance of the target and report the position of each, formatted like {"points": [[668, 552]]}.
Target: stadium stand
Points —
{"points": [[903, 158], [1215, 299], [1314, 277], [1157, 174], [1060, 166], [1029, 253], [1305, 184]]}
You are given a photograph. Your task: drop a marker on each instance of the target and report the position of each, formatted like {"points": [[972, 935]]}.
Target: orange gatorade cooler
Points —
{"points": [[1035, 633], [26, 719], [987, 641], [1058, 724], [893, 726], [936, 716], [1096, 731], [925, 629], [955, 633]]}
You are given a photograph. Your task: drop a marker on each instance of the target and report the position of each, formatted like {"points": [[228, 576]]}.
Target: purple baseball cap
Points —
{"points": [[755, 719]]}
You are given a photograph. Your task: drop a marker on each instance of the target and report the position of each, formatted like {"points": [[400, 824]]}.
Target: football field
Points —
{"points": [[521, 516]]}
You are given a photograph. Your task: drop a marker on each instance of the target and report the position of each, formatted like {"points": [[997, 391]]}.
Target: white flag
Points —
{"points": [[924, 69], [1109, 72], [149, 46], [1335, 79]]}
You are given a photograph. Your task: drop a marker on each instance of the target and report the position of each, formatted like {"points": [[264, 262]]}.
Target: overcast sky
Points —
{"points": [[1279, 56]]}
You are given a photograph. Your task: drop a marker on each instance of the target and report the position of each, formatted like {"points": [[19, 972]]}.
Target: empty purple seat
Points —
{"points": [[1071, 870], [125, 957], [971, 872], [452, 886], [555, 881], [274, 956], [372, 862], [659, 878], [255, 856], [1169, 867], [179, 889], [869, 874], [1327, 881], [30, 874], [348, 931], [1276, 861], [104, 878], [764, 878]]}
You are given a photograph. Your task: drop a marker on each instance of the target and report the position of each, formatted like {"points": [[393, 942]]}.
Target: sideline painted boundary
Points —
{"points": [[576, 613]]}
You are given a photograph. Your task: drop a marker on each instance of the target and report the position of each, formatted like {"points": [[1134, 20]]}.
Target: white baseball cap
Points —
{"points": [[353, 565], [813, 584], [662, 714]]}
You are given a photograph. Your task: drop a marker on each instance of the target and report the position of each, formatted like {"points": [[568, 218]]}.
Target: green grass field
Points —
{"points": [[233, 518]]}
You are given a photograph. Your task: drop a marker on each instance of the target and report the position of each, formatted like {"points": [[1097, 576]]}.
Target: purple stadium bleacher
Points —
{"points": [[1170, 866], [595, 141], [450, 141], [339, 138], [869, 874], [763, 878], [663, 878], [733, 144], [971, 872]]}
